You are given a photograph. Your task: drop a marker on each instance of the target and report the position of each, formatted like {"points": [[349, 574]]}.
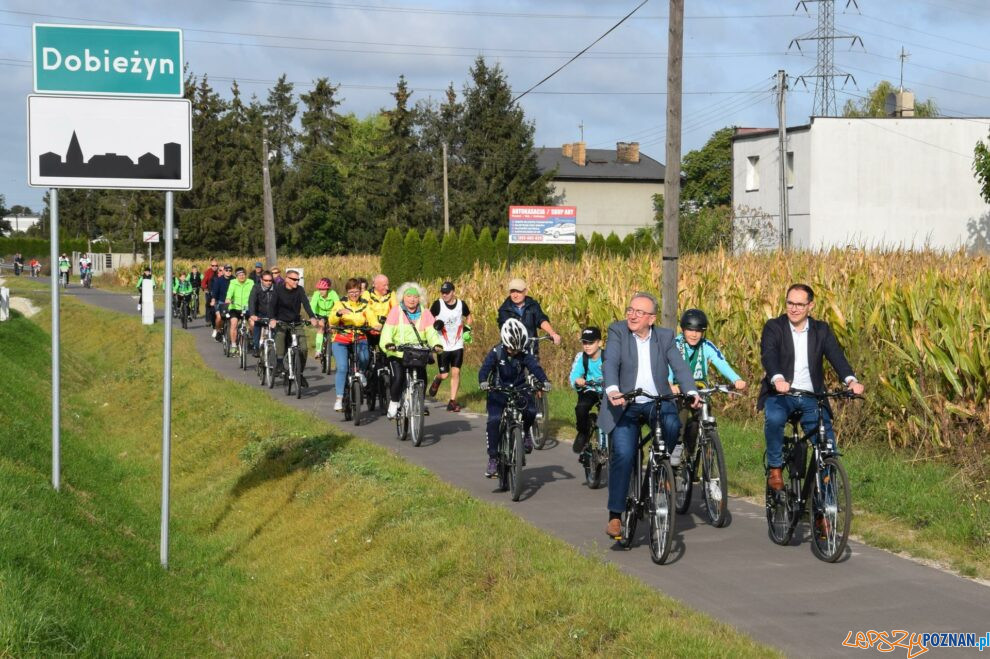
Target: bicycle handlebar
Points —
{"points": [[636, 393], [837, 393], [718, 388]]}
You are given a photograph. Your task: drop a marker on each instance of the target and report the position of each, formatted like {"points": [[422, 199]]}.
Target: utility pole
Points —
{"points": [[446, 199], [785, 229], [825, 73], [903, 57], [672, 178], [269, 219]]}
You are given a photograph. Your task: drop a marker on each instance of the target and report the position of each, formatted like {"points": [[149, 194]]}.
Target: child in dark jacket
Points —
{"points": [[586, 378], [507, 365]]}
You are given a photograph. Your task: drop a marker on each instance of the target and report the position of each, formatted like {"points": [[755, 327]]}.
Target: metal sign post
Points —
{"points": [[56, 361], [167, 386]]}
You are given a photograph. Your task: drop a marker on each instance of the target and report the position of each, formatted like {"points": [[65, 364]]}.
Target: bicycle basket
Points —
{"points": [[415, 357]]}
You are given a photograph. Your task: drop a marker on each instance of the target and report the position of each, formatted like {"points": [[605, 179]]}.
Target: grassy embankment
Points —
{"points": [[288, 537]]}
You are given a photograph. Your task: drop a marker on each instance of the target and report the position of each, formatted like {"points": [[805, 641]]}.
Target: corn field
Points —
{"points": [[915, 325]]}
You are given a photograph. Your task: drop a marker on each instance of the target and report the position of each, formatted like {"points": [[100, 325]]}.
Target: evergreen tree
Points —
{"points": [[430, 250], [597, 244], [391, 256], [316, 223], [412, 256], [436, 125], [582, 245], [363, 166], [486, 248], [450, 256], [629, 244], [402, 162], [613, 245], [468, 248], [279, 112], [502, 245], [240, 194], [498, 151]]}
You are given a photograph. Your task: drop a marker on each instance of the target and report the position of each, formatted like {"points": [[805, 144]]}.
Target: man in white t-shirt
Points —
{"points": [[452, 321]]}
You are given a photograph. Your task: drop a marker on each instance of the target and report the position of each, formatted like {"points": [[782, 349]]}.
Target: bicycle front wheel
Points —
{"points": [[185, 316], [516, 456], [270, 364], [714, 479], [355, 400], [540, 427], [661, 506], [297, 370], [416, 413], [242, 350], [830, 511], [682, 485], [402, 422], [596, 462]]}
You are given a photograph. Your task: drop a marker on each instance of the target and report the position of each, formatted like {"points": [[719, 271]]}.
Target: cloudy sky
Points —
{"points": [[733, 49]]}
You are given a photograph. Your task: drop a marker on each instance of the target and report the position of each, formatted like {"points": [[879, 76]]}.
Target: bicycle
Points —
{"points": [[709, 458], [379, 378], [266, 355], [87, 278], [292, 359], [651, 487], [356, 380], [225, 334], [511, 457], [63, 278], [595, 456], [409, 417], [823, 483], [243, 340], [325, 351], [184, 311], [194, 304], [540, 425]]}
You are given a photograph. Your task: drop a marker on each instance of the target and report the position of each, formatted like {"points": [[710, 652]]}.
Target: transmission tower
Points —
{"points": [[825, 72]]}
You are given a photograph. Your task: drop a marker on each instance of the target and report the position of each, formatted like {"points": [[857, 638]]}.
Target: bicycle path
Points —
{"points": [[782, 596]]}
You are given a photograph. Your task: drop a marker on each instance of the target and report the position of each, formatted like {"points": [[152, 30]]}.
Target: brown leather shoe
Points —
{"points": [[776, 480], [614, 528]]}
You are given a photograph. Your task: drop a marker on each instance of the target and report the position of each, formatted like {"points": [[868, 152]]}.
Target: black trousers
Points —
{"points": [[399, 378], [582, 411]]}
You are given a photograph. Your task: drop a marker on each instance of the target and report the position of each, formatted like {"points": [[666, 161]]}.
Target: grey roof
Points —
{"points": [[600, 164]]}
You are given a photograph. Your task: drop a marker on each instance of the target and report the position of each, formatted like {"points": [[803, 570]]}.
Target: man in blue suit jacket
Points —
{"points": [[637, 356]]}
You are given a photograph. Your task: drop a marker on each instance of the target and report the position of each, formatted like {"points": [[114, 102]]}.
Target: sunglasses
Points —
{"points": [[266, 281], [293, 278]]}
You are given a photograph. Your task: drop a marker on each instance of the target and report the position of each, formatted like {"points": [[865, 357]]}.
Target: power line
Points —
{"points": [[582, 52]]}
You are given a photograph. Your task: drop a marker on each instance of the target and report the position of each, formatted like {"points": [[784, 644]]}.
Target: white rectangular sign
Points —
{"points": [[151, 237], [101, 142]]}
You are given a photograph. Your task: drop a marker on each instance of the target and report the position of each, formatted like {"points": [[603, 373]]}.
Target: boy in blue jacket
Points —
{"points": [[586, 378], [698, 352], [507, 365]]}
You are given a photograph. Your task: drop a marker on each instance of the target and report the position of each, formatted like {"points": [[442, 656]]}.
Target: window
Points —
{"points": [[752, 173], [790, 169]]}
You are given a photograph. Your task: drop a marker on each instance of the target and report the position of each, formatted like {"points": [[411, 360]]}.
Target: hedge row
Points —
{"points": [[38, 247], [427, 257]]}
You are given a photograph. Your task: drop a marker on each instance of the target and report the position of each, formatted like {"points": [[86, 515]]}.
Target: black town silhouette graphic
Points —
{"points": [[111, 165]]}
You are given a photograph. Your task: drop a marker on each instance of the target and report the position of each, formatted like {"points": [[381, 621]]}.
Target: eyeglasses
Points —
{"points": [[797, 305], [354, 291], [276, 272], [293, 278], [227, 270], [266, 281], [638, 313]]}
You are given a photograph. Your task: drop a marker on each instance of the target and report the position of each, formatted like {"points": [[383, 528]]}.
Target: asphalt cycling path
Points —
{"points": [[782, 596]]}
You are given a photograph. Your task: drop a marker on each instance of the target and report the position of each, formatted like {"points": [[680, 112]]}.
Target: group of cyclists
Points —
{"points": [[642, 374]]}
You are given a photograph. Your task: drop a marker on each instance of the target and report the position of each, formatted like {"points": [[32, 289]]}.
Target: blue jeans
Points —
{"points": [[777, 409], [625, 442], [340, 357], [497, 403]]}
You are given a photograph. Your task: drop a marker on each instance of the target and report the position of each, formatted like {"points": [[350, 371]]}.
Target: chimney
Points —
{"points": [[567, 149], [627, 152], [579, 154]]}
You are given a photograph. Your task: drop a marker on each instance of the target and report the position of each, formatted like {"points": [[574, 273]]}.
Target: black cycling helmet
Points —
{"points": [[694, 319]]}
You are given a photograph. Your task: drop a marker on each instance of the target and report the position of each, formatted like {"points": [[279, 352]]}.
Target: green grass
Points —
{"points": [[289, 538], [923, 508]]}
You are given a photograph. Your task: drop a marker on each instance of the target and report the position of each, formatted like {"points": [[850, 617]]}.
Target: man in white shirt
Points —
{"points": [[638, 355], [792, 349]]}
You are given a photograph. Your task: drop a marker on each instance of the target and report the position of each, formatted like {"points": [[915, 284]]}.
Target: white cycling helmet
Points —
{"points": [[514, 334]]}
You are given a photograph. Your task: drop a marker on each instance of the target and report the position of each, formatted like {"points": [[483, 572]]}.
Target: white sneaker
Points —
{"points": [[214, 335], [393, 410], [675, 456], [339, 405]]}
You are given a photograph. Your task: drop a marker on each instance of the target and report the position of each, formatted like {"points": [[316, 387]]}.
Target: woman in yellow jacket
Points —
{"points": [[407, 322], [346, 315]]}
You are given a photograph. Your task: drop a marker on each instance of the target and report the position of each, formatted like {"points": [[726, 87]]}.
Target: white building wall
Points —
{"points": [[607, 206], [764, 198], [905, 182]]}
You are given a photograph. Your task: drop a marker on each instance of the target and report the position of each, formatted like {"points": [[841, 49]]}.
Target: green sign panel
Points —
{"points": [[82, 59]]}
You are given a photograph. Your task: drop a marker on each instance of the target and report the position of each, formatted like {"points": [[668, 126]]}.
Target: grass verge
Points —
{"points": [[289, 538], [921, 508]]}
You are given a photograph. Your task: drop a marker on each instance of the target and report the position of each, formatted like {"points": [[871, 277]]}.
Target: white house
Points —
{"points": [[868, 182], [612, 189], [20, 223]]}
